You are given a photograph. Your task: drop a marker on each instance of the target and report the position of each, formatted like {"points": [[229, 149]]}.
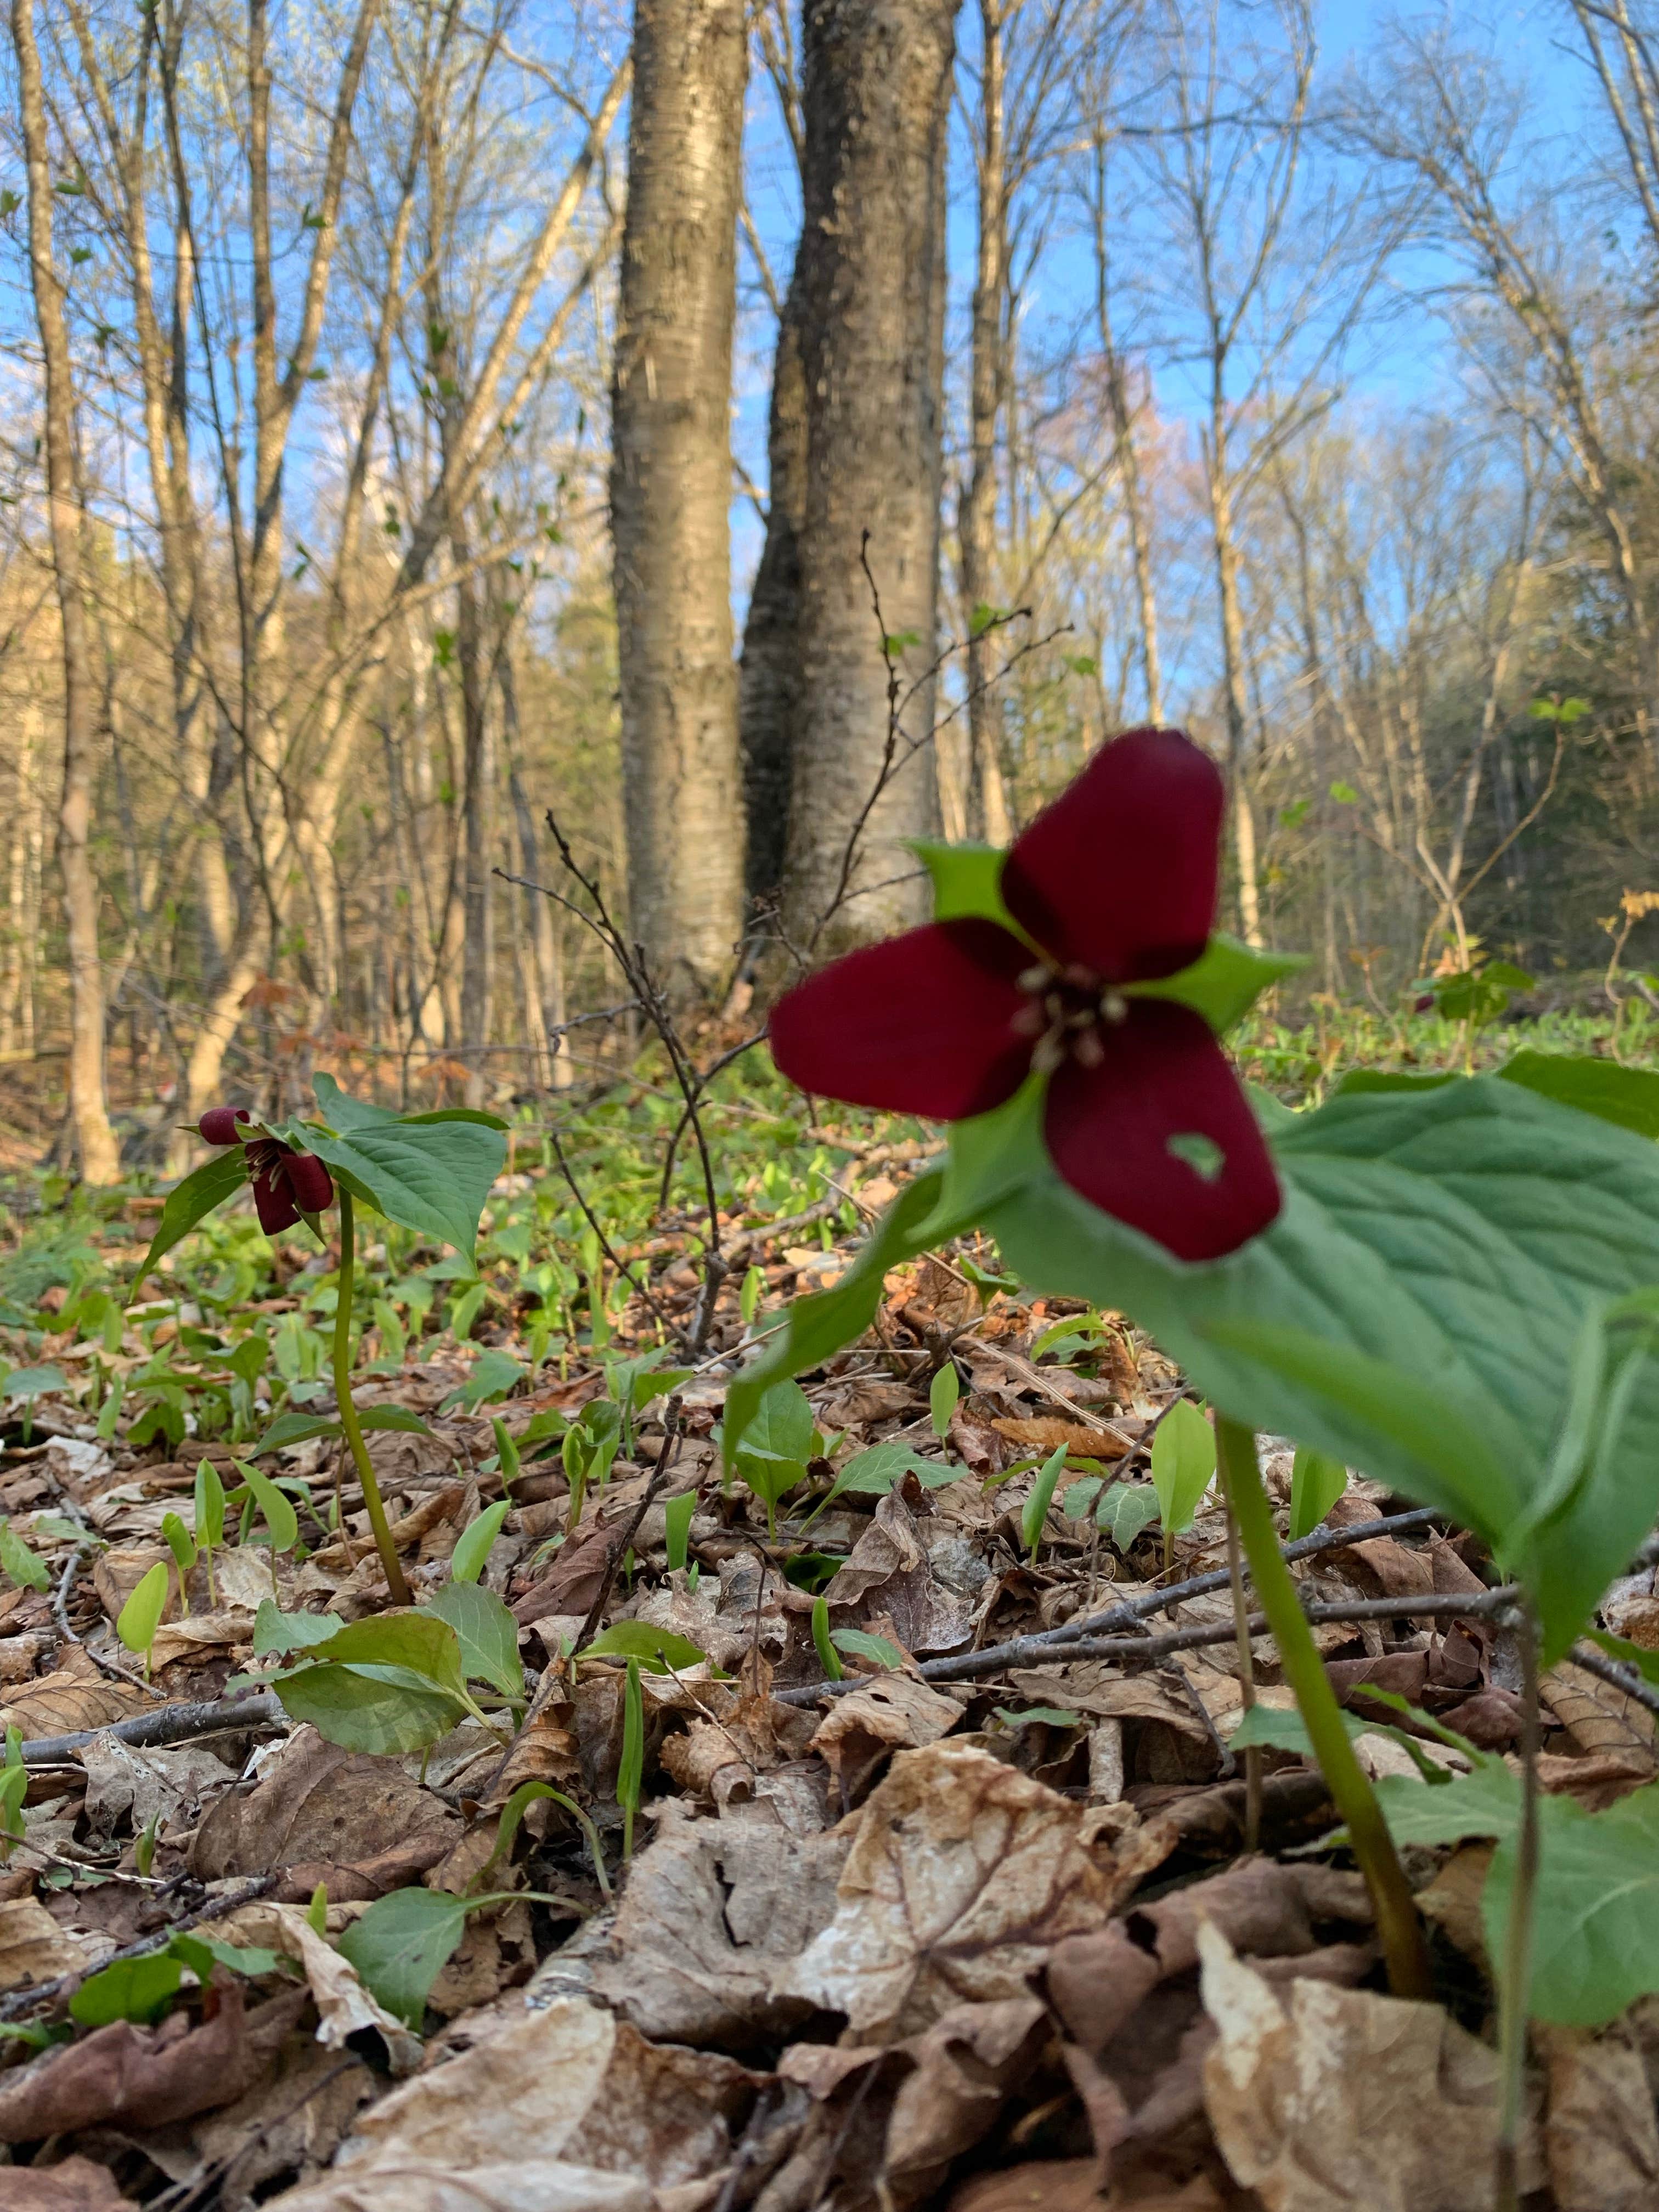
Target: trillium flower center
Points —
{"points": [[1069, 1013]]}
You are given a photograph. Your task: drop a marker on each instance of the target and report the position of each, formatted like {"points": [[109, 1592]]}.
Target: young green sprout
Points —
{"points": [[140, 1616], [630, 1772], [677, 1527], [210, 1502], [180, 1543], [13, 1786]]}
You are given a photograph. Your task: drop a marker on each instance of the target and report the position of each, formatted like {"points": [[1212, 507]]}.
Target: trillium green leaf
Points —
{"points": [[1626, 1096], [431, 1175], [1411, 1311], [1316, 1482], [401, 1945], [656, 1648], [472, 1552], [967, 882]]}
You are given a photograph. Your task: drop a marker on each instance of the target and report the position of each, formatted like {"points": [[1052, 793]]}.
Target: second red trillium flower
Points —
{"points": [[1115, 884], [286, 1183]]}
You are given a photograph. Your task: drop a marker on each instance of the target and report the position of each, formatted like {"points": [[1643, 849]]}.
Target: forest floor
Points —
{"points": [[974, 1924]]}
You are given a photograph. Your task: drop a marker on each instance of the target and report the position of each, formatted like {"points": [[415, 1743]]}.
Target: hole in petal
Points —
{"points": [[1200, 1153]]}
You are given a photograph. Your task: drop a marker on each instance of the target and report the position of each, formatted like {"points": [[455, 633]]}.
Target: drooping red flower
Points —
{"points": [[1115, 882], [286, 1183]]}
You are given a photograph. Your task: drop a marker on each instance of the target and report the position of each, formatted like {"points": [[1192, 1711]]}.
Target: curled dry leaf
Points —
{"points": [[1047, 1432], [1329, 2100], [567, 2082], [710, 1912], [889, 1567], [125, 1783], [964, 1873], [891, 1712], [344, 2006], [887, 2121]]}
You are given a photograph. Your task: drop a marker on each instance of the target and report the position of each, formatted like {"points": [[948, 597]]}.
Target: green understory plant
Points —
{"points": [[1445, 1281], [431, 1173]]}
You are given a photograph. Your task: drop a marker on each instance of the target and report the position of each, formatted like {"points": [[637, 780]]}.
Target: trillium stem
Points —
{"points": [[1397, 1924], [1515, 1984], [349, 1421]]}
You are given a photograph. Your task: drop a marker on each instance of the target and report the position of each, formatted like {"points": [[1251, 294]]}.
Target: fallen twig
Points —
{"points": [[172, 1724], [216, 1908]]}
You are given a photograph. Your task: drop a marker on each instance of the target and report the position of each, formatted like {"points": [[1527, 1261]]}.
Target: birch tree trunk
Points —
{"points": [[99, 1154], [877, 95], [671, 489]]}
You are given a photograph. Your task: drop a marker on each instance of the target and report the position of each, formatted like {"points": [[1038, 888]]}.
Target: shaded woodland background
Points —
{"points": [[416, 418]]}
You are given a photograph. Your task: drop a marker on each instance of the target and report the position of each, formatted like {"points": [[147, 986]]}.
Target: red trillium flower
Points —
{"points": [[286, 1183], [1113, 884]]}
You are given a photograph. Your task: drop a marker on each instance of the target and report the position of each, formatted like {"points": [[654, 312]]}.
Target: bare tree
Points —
{"points": [[671, 487], [99, 1155], [872, 275]]}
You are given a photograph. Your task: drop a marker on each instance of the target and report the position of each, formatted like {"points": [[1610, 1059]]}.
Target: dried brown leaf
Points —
{"points": [[33, 1947], [1601, 2141], [1330, 2100], [75, 2185], [964, 1873], [1046, 1432], [316, 1804]]}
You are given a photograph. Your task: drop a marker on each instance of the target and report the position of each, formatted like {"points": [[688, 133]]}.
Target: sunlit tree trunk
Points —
{"points": [[671, 489], [769, 690], [99, 1154], [987, 800]]}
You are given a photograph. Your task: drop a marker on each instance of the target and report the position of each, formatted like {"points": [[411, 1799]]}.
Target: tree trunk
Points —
{"points": [[22, 894], [769, 688], [101, 1156], [1232, 667], [987, 800], [877, 95], [671, 489], [1125, 455]]}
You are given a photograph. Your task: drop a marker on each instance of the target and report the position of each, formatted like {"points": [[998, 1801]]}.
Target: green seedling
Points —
{"points": [[823, 1643], [943, 1394], [677, 1516], [209, 1508], [749, 1297], [472, 1549], [1316, 1482], [630, 1770], [513, 1813], [1039, 1499], [507, 1452], [1183, 1467], [140, 1616], [14, 1787], [178, 1541]]}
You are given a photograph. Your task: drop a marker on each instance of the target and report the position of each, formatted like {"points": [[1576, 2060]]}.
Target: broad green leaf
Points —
{"points": [[138, 1989], [432, 1177], [657, 1649], [276, 1510], [860, 1643], [782, 1426], [24, 1566], [26, 1383], [493, 1374], [275, 1633], [421, 1640], [873, 1473], [1183, 1465], [487, 1633], [386, 1710], [1595, 1934], [472, 1548], [401, 1945], [1627, 1095], [1127, 1510], [1316, 1482], [191, 1201], [1409, 1311], [1282, 1729], [140, 1616], [819, 1325], [942, 1396], [967, 882], [178, 1540], [1223, 982]]}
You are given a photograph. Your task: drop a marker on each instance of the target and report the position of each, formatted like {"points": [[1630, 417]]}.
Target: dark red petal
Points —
{"points": [[218, 1125], [310, 1182], [921, 1025], [273, 1201], [1108, 1130], [1120, 874]]}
